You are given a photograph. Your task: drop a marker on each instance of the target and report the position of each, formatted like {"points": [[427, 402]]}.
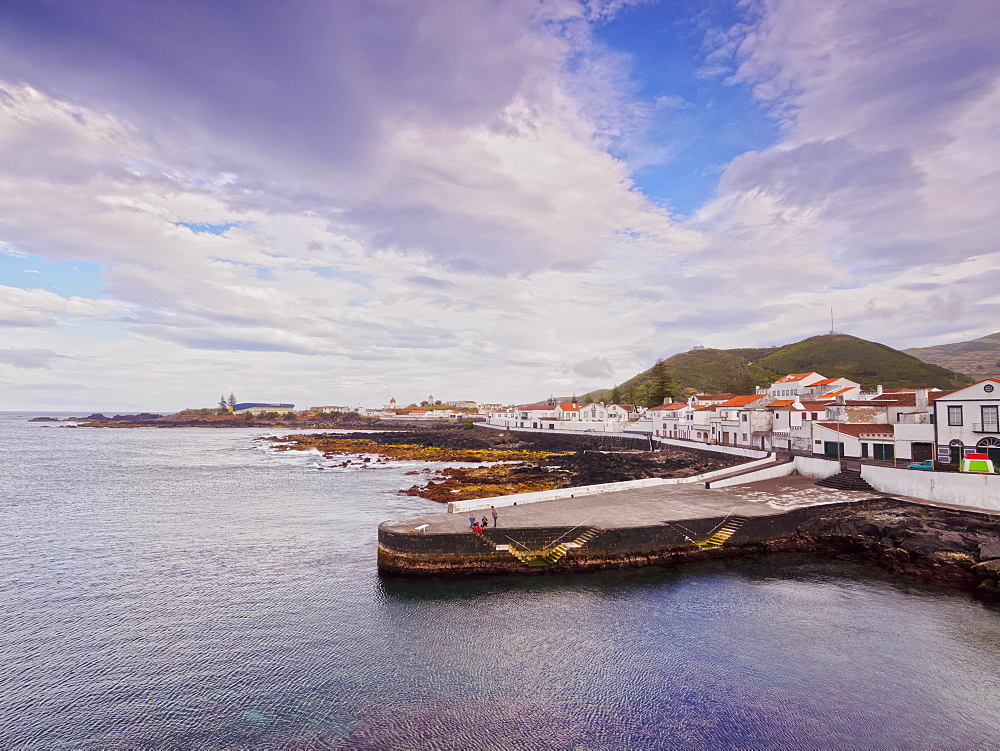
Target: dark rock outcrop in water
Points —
{"points": [[931, 543]]}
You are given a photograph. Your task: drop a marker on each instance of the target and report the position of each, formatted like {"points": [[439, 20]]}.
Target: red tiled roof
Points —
{"points": [[832, 394], [742, 400], [908, 398], [825, 382], [793, 377], [777, 403], [858, 429], [536, 406], [570, 407]]}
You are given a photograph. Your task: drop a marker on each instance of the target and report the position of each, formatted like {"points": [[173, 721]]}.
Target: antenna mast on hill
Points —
{"points": [[833, 329]]}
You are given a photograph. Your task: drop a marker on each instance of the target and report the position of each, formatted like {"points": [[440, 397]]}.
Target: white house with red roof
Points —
{"points": [[793, 384], [666, 420], [831, 388], [571, 416], [836, 440], [968, 421]]}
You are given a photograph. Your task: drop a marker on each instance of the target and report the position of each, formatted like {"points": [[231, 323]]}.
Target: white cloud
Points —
{"points": [[28, 358]]}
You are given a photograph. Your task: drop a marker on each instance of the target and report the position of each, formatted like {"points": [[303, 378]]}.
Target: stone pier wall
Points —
{"points": [[468, 553], [960, 548]]}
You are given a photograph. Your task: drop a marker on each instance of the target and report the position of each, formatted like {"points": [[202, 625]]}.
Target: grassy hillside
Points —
{"points": [[868, 363], [979, 358], [740, 370]]}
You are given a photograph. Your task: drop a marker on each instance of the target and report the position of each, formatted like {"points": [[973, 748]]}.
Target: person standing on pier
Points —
{"points": [[472, 518], [493, 509]]}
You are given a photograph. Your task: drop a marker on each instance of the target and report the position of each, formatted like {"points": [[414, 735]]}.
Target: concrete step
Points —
{"points": [[846, 480]]}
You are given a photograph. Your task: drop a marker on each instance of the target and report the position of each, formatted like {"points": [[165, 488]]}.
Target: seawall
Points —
{"points": [[957, 547]]}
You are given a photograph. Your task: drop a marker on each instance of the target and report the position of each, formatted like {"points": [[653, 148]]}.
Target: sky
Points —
{"points": [[332, 203]]}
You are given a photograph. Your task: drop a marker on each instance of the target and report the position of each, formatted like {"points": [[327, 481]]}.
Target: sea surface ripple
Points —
{"points": [[189, 589]]}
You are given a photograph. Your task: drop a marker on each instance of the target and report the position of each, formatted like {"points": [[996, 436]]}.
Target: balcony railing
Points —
{"points": [[986, 427]]}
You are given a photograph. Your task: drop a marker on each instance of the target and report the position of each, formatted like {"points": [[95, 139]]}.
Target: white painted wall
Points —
{"points": [[781, 470], [520, 499], [734, 450], [819, 469], [961, 489]]}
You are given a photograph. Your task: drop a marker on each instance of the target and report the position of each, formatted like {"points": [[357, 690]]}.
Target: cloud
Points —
{"points": [[56, 387], [29, 359], [884, 171], [429, 195], [594, 367], [38, 308]]}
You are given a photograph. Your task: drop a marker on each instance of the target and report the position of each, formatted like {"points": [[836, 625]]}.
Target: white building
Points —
{"points": [[793, 384], [967, 421]]}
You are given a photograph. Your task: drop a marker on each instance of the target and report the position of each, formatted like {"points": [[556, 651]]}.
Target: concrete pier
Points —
{"points": [[629, 528]]}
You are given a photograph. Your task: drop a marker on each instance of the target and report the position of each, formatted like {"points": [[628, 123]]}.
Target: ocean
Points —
{"points": [[192, 588]]}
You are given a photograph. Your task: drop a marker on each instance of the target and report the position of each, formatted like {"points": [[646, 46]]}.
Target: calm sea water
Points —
{"points": [[186, 589]]}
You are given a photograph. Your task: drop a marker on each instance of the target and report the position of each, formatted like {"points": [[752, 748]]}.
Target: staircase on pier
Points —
{"points": [[848, 479], [724, 532], [548, 554]]}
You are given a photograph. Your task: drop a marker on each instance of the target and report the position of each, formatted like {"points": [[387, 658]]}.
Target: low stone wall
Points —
{"points": [[764, 473], [961, 489], [520, 499], [817, 468], [714, 447]]}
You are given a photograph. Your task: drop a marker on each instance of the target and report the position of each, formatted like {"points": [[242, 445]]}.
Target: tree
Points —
{"points": [[616, 395], [223, 404], [588, 399], [740, 382], [232, 401], [573, 400], [628, 393], [661, 385]]}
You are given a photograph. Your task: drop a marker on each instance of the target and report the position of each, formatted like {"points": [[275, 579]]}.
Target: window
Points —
{"points": [[991, 419], [745, 417], [955, 414], [864, 450]]}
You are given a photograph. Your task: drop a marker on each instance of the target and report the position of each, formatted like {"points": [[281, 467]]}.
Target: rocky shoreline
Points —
{"points": [[512, 462]]}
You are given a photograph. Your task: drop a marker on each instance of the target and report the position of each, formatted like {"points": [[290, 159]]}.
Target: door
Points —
{"points": [[883, 452], [922, 451], [990, 447], [833, 449], [955, 452]]}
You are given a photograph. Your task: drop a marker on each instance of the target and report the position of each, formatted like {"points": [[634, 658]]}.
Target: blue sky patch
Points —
{"points": [[208, 229], [699, 121], [66, 278]]}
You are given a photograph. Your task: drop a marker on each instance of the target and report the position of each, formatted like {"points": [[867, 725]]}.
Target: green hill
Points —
{"points": [[979, 358], [739, 371]]}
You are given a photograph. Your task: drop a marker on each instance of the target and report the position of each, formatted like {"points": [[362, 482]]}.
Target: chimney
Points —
{"points": [[922, 400], [840, 398], [667, 400], [878, 390]]}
